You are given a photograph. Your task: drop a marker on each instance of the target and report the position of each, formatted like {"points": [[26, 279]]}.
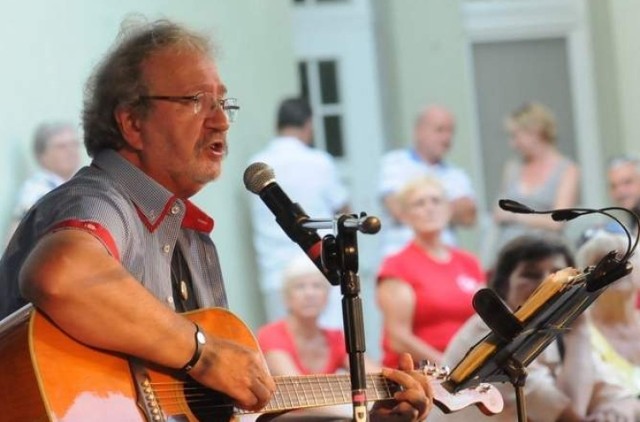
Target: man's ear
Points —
{"points": [[129, 123]]}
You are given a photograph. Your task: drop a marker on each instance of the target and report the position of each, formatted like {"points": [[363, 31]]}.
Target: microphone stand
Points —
{"points": [[340, 259]]}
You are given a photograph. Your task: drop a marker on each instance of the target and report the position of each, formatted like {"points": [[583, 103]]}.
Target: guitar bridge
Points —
{"points": [[146, 398]]}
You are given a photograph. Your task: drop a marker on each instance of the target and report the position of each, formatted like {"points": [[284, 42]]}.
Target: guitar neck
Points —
{"points": [[296, 392]]}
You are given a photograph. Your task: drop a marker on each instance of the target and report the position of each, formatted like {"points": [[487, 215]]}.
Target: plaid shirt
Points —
{"points": [[137, 220]]}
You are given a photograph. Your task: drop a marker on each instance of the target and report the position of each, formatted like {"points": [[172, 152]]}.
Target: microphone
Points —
{"points": [[260, 179]]}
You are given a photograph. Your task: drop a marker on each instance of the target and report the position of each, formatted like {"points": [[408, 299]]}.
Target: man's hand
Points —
{"points": [[235, 370], [413, 403]]}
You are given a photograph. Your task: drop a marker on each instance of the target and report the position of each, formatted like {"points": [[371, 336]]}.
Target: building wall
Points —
{"points": [[606, 77], [50, 46], [621, 68]]}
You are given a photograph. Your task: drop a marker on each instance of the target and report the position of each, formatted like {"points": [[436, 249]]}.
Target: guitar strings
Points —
{"points": [[198, 400], [319, 385]]}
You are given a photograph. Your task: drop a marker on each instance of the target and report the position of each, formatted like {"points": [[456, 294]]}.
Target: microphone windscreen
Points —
{"points": [[257, 176]]}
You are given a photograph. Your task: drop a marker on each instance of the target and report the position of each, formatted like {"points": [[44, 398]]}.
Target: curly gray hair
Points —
{"points": [[118, 78]]}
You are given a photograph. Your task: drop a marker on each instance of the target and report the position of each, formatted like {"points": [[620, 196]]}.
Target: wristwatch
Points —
{"points": [[201, 341]]}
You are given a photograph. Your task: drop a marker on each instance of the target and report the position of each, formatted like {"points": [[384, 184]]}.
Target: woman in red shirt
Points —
{"points": [[296, 344], [425, 290]]}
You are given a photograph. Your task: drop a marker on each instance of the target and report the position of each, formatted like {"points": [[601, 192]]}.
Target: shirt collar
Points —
{"points": [[289, 141], [413, 153], [50, 178], [152, 200]]}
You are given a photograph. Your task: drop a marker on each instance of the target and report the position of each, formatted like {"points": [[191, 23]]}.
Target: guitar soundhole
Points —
{"points": [[206, 404]]}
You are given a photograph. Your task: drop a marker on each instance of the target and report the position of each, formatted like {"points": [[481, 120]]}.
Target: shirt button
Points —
{"points": [[170, 299], [175, 209], [166, 248]]}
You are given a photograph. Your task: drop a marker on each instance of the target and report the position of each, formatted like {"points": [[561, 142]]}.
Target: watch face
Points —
{"points": [[200, 338]]}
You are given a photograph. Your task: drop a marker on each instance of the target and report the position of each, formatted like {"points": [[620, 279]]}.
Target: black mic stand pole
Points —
{"points": [[340, 255], [517, 374]]}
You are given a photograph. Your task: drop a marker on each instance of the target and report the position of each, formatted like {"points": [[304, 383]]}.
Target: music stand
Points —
{"points": [[517, 338]]}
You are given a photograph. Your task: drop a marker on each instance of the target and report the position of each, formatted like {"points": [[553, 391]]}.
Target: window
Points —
{"points": [[319, 84]]}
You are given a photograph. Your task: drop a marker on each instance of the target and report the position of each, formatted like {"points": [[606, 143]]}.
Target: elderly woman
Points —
{"points": [[298, 345], [564, 383], [541, 177], [615, 319], [425, 290]]}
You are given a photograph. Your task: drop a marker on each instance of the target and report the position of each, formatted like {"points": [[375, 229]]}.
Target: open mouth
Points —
{"points": [[218, 148]]}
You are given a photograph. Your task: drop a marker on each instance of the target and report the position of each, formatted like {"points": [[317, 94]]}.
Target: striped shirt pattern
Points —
{"points": [[137, 220]]}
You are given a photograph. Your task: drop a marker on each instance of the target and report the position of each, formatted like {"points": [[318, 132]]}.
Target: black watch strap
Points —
{"points": [[200, 340]]}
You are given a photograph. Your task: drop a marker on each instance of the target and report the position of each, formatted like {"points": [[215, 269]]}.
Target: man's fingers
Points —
{"points": [[406, 362], [414, 399], [256, 397]]}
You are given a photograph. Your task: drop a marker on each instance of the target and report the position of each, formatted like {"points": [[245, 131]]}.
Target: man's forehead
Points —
{"points": [[623, 170], [179, 64]]}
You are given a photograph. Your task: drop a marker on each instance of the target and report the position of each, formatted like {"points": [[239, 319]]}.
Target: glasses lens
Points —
{"points": [[202, 102], [230, 107]]}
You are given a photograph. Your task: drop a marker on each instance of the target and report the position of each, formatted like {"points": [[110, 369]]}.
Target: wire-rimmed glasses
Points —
{"points": [[203, 102]]}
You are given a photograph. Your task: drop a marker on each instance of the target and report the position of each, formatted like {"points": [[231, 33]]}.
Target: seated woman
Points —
{"points": [[564, 382], [615, 328], [425, 290], [297, 345]]}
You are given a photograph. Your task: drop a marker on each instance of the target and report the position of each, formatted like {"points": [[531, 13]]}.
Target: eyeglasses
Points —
{"points": [[203, 102]]}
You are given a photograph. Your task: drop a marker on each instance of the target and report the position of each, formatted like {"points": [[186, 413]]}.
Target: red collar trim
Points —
{"points": [[196, 219], [153, 225]]}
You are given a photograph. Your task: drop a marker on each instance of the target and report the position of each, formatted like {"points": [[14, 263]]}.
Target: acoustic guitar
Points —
{"points": [[48, 376]]}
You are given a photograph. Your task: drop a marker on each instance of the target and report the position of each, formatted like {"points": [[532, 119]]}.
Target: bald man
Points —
{"points": [[623, 177], [433, 137]]}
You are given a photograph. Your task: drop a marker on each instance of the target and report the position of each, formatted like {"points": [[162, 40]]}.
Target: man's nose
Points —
{"points": [[218, 121]]}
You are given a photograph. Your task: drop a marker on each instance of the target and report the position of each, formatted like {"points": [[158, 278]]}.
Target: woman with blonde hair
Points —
{"points": [[541, 177], [298, 345], [425, 290], [615, 328]]}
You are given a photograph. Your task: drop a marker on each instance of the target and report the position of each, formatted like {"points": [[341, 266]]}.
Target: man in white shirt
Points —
{"points": [[433, 135], [309, 177]]}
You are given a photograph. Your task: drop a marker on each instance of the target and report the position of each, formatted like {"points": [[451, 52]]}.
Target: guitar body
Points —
{"points": [[47, 375]]}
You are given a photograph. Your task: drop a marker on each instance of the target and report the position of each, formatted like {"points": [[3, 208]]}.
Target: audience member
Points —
{"points": [[541, 177], [309, 176], [560, 385], [425, 290], [112, 254], [433, 137], [623, 175], [57, 151], [615, 327], [296, 344]]}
